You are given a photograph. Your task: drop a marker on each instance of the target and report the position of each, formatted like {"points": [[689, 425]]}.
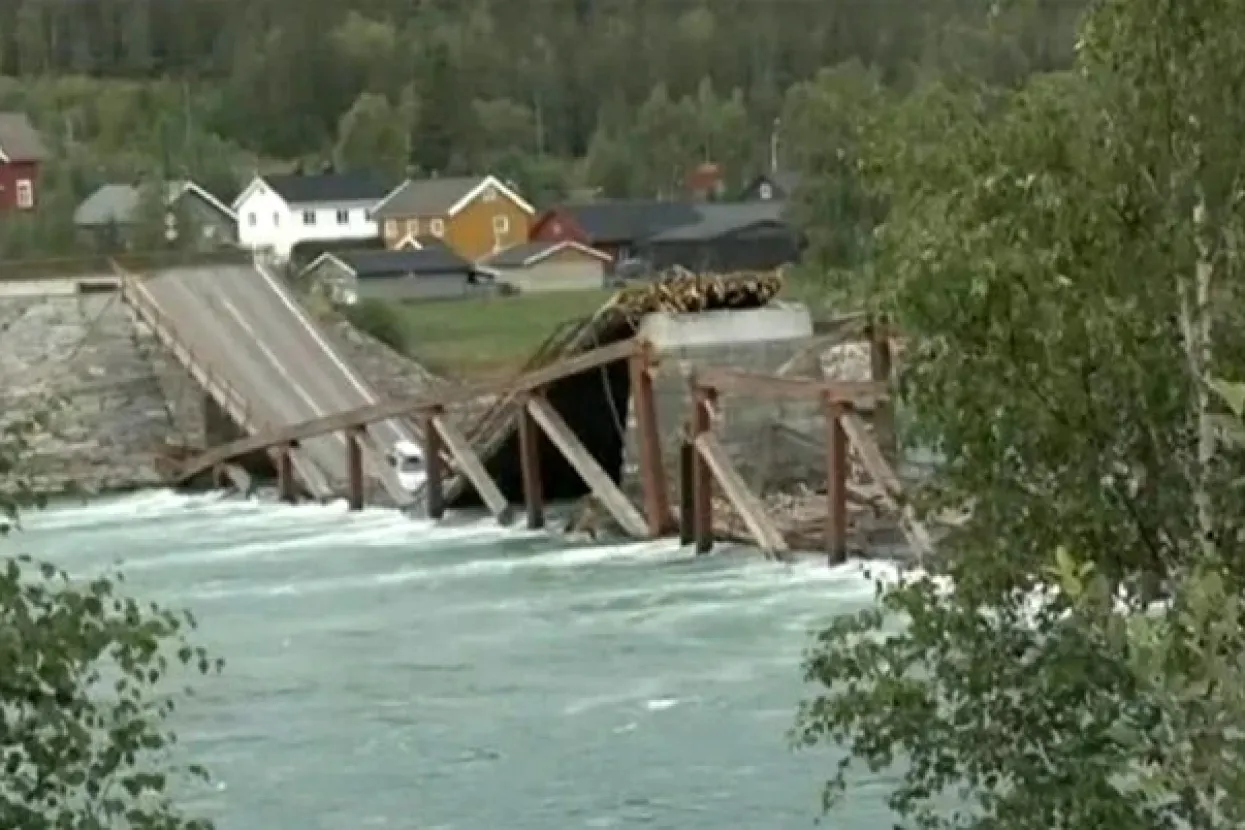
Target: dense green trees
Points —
{"points": [[1065, 257], [277, 77], [621, 97]]}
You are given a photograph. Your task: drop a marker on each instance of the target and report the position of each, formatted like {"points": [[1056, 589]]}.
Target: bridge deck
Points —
{"points": [[245, 338]]}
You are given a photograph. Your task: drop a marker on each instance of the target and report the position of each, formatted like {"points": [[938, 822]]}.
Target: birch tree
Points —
{"points": [[1064, 262], [88, 677]]}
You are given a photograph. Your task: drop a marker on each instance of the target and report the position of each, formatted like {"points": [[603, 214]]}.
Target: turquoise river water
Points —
{"points": [[383, 673]]}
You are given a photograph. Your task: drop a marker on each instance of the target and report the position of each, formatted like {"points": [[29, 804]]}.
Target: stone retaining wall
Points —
{"points": [[111, 398]]}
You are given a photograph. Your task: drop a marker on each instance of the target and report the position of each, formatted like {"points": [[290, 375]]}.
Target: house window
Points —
{"points": [[309, 217], [343, 217], [412, 227], [391, 229], [489, 194], [766, 190], [437, 227], [252, 219], [501, 224], [25, 193]]}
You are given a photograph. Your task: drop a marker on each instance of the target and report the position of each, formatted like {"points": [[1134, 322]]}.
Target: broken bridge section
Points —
{"points": [[242, 335]]}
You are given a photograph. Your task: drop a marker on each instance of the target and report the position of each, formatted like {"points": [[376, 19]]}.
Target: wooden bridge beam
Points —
{"points": [[354, 468], [687, 488], [385, 410], [703, 399], [606, 491], [837, 464], [434, 463], [755, 517], [287, 486], [529, 458], [652, 467], [473, 468]]}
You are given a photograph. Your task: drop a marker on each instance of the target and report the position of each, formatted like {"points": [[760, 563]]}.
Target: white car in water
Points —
{"points": [[407, 460]]}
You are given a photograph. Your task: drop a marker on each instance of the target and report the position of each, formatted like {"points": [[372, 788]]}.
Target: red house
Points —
{"points": [[615, 228], [21, 155]]}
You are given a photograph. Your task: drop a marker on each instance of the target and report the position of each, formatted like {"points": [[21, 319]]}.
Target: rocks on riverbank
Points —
{"points": [[116, 403], [109, 396]]}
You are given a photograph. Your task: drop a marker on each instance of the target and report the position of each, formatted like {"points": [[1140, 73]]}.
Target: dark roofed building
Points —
{"points": [[735, 236], [329, 188], [614, 227], [433, 273], [309, 250]]}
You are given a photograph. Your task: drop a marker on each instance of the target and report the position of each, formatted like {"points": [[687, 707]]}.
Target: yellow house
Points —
{"points": [[477, 216]]}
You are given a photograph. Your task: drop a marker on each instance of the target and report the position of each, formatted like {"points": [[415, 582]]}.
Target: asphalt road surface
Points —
{"points": [[253, 332]]}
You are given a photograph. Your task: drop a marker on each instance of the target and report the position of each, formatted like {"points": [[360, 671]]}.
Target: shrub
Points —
{"points": [[381, 320]]}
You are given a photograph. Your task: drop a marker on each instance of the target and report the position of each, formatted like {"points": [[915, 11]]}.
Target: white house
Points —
{"points": [[277, 212]]}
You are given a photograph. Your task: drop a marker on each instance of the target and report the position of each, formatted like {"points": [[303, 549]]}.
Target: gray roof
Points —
{"points": [[111, 204], [426, 197], [19, 140], [116, 203], [372, 264], [717, 219], [516, 256], [302, 189]]}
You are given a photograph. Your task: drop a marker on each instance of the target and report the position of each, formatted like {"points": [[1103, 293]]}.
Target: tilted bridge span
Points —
{"points": [[241, 334]]}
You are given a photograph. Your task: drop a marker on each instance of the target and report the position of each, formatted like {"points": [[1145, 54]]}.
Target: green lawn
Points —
{"points": [[490, 337]]}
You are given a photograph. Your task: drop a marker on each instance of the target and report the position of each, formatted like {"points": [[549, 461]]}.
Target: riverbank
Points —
{"points": [[110, 403]]}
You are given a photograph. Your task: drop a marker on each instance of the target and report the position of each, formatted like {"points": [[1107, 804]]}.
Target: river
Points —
{"points": [[385, 673]]}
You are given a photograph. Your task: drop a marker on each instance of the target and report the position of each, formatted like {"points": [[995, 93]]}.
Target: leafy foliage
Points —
{"points": [[1062, 257], [85, 703], [381, 320]]}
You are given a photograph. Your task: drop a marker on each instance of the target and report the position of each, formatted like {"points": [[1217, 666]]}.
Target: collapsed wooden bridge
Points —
{"points": [[525, 450]]}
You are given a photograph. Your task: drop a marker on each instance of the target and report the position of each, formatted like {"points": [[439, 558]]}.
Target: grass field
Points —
{"points": [[487, 338], [490, 337]]}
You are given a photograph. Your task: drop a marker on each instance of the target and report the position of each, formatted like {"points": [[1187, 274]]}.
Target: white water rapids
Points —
{"points": [[383, 672]]}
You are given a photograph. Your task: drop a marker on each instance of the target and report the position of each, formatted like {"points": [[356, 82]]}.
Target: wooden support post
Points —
{"points": [[702, 477], [606, 491], [434, 464], [745, 502], [891, 488], [354, 468], [687, 498], [652, 467], [880, 367], [836, 484], [473, 468], [287, 488], [529, 458]]}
